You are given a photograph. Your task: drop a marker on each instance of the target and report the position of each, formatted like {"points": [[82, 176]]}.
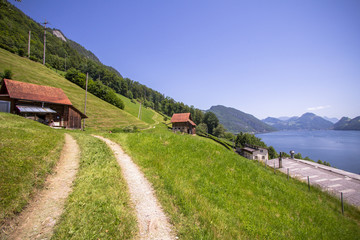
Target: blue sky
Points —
{"points": [[267, 58]]}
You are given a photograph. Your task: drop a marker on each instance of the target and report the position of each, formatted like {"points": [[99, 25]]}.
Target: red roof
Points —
{"points": [[33, 92], [182, 117]]}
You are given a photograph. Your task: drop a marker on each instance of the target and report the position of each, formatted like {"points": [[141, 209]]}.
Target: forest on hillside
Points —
{"points": [[69, 55]]}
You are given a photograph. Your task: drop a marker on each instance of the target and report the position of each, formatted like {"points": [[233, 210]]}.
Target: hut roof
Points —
{"points": [[182, 117], [34, 92]]}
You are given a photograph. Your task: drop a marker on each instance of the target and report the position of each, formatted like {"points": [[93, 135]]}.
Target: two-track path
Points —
{"points": [[39, 217], [153, 223]]}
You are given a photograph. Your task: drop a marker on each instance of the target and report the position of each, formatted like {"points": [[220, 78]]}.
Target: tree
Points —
{"points": [[202, 128], [298, 156], [285, 155], [219, 131], [211, 121], [243, 139], [7, 74], [326, 163], [229, 136], [272, 153]]}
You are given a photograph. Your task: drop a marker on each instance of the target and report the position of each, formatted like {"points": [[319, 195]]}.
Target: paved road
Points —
{"points": [[330, 179]]}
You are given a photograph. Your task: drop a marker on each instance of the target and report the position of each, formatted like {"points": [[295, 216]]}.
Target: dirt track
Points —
{"points": [[38, 219], [153, 224]]}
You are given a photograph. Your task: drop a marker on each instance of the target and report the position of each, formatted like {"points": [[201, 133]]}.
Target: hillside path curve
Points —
{"points": [[152, 221], [38, 219]]}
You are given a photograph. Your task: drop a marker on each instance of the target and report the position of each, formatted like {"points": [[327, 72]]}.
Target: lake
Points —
{"points": [[340, 148]]}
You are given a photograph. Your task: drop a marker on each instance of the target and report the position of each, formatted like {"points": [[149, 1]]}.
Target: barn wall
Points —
{"points": [[74, 119], [185, 127]]}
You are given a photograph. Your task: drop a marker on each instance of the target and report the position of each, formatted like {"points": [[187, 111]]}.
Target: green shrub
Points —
{"points": [[21, 52], [7, 74]]}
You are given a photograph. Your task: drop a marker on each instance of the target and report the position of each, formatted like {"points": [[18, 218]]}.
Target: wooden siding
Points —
{"points": [[184, 127], [74, 120]]}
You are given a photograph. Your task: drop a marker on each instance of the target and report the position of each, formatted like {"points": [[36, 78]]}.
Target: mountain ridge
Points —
{"points": [[307, 121], [346, 123], [236, 121]]}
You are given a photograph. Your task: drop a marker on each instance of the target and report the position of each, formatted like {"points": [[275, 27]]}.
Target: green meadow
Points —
{"points": [[132, 107], [28, 152], [210, 192]]}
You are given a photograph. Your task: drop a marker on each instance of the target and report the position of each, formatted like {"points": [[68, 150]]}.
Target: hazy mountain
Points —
{"points": [[346, 123], [283, 118], [236, 121], [307, 121], [333, 120]]}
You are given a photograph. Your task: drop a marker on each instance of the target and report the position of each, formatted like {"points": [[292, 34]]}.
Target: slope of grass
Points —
{"points": [[147, 114], [102, 115], [212, 193], [28, 151], [98, 207]]}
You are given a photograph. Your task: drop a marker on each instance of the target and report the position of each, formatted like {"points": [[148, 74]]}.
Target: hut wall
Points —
{"points": [[185, 127], [74, 119]]}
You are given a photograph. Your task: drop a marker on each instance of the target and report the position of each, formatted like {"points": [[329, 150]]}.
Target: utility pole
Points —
{"points": [[139, 111], [29, 44], [65, 62], [87, 76], [46, 22]]}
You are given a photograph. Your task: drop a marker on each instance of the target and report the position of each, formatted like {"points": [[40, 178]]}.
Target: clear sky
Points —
{"points": [[267, 58]]}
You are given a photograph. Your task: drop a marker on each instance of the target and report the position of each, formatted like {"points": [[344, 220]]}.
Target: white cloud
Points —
{"points": [[318, 108]]}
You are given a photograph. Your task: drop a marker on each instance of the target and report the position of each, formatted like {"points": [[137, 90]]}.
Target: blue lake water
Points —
{"points": [[340, 148]]}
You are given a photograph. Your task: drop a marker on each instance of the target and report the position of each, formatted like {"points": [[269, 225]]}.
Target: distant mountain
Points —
{"points": [[284, 118], [276, 123], [333, 120], [236, 121], [307, 121], [346, 123]]}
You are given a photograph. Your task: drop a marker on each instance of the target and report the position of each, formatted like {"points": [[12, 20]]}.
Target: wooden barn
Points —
{"points": [[48, 105], [182, 122]]}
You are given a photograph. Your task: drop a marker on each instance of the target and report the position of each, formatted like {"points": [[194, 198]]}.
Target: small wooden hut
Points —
{"points": [[48, 105], [182, 122]]}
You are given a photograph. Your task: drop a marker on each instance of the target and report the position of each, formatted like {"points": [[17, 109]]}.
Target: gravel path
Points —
{"points": [[38, 219], [153, 224]]}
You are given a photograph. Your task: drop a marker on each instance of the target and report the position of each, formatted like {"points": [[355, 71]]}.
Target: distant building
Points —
{"points": [[48, 105], [182, 122], [253, 153]]}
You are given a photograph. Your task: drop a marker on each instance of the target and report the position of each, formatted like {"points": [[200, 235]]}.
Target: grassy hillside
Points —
{"points": [[147, 114], [102, 115], [212, 193], [28, 151]]}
